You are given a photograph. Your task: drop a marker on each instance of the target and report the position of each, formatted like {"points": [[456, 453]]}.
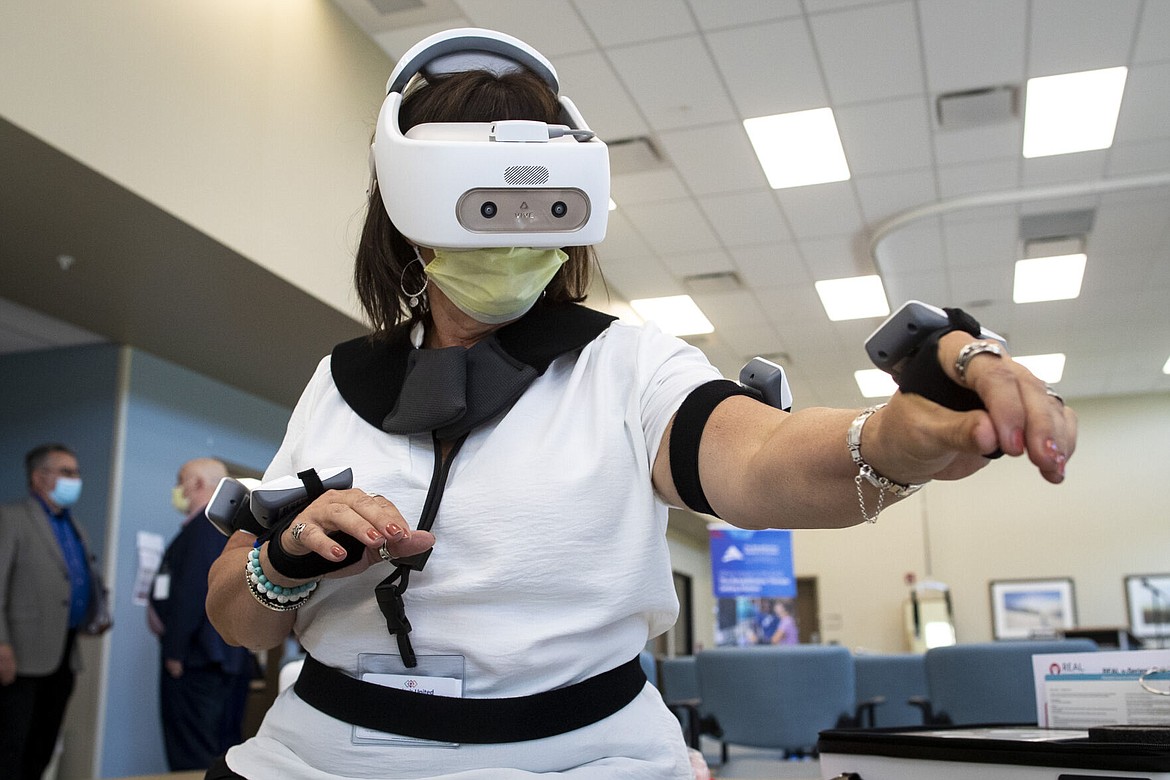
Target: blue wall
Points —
{"points": [[171, 415], [65, 396]]}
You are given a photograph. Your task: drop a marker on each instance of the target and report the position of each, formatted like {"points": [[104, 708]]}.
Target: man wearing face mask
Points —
{"points": [[203, 681], [45, 594]]}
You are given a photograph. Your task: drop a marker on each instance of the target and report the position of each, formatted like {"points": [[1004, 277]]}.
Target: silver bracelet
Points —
{"points": [[866, 472]]}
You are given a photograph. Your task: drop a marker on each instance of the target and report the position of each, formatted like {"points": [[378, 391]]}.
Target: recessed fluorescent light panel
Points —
{"points": [[1048, 278], [1072, 112], [675, 314], [612, 205], [799, 148], [875, 383], [1166, 368], [853, 298], [1049, 368]]}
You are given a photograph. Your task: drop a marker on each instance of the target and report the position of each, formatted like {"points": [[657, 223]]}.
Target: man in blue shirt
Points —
{"points": [[45, 593]]}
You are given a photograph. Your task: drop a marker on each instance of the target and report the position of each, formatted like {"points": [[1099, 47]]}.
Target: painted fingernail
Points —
{"points": [[374, 535], [1018, 439], [338, 552], [393, 531], [1057, 455]]}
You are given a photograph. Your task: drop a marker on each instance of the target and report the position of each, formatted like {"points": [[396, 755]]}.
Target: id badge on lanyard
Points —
{"points": [[435, 675]]}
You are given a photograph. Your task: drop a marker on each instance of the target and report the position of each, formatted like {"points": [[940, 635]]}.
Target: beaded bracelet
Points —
{"points": [[273, 596]]}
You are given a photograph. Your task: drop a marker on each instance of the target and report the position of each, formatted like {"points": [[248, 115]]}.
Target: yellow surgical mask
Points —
{"points": [[180, 501], [494, 285]]}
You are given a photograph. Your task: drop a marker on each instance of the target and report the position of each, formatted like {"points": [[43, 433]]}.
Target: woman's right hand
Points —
{"points": [[371, 519]]}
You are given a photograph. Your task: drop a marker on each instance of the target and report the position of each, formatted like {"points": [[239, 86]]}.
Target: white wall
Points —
{"points": [[248, 119], [1110, 518]]}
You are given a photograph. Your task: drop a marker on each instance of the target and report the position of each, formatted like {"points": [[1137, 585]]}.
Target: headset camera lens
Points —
{"points": [[559, 209], [488, 209]]}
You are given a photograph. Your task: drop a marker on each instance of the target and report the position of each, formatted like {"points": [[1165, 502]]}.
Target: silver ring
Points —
{"points": [[297, 530], [971, 350], [1053, 394], [384, 553]]}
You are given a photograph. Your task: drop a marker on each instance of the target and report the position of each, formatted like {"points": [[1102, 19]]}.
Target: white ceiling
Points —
{"points": [[685, 73]]}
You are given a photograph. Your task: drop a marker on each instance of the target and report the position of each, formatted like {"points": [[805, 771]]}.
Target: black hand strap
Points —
{"points": [[310, 565]]}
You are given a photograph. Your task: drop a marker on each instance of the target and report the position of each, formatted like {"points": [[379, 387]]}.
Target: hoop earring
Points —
{"points": [[414, 296]]}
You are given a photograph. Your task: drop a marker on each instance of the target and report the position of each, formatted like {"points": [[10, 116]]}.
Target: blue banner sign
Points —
{"points": [[752, 563]]}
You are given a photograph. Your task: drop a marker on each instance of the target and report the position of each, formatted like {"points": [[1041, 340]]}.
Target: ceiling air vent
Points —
{"points": [[394, 6], [715, 282], [634, 155], [977, 107]]}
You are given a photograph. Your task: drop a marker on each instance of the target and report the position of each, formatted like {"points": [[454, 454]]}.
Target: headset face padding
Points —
{"points": [[488, 184]]}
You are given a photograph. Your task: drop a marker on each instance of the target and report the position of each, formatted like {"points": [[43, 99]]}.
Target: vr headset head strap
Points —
{"points": [[469, 48]]}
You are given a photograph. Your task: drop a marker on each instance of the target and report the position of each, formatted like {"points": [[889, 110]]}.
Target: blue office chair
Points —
{"points": [[886, 682], [987, 682], [649, 666], [679, 677], [777, 697]]}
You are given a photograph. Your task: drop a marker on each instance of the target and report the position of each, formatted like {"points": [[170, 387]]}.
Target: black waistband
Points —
{"points": [[469, 721]]}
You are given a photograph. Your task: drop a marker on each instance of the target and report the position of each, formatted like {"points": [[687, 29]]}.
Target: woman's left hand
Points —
{"points": [[917, 440]]}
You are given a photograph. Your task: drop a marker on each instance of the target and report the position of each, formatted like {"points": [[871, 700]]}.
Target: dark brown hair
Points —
{"points": [[385, 265]]}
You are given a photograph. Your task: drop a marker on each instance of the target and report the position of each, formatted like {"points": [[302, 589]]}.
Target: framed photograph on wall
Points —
{"points": [[1147, 597], [1022, 609]]}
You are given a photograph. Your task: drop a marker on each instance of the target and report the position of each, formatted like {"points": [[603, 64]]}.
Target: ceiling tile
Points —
{"points": [[934, 287], [552, 27], [1139, 158], [1130, 227], [588, 80], [821, 209], [642, 277], [835, 257], [989, 142], [683, 265], [647, 187], [989, 176], [769, 68], [732, 309], [714, 158], [771, 265], [1063, 168], [1144, 106], [892, 135], [913, 248], [674, 82], [748, 341], [1153, 42], [718, 14], [672, 226], [981, 244], [869, 53], [622, 240], [972, 45], [976, 284], [746, 218], [886, 195], [398, 41], [1074, 35], [617, 22]]}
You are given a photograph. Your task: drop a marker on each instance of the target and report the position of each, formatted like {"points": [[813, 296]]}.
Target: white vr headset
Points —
{"points": [[489, 184]]}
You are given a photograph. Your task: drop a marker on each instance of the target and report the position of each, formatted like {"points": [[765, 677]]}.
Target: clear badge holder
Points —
{"points": [[435, 675]]}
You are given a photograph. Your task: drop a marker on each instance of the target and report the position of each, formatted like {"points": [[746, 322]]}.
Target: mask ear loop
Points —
{"points": [[414, 296]]}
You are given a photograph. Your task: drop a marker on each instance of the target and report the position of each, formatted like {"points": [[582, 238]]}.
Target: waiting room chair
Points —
{"points": [[649, 666], [679, 677], [777, 697], [987, 682], [886, 682]]}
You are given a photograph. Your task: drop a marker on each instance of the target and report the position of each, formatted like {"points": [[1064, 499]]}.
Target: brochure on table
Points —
{"points": [[1084, 690]]}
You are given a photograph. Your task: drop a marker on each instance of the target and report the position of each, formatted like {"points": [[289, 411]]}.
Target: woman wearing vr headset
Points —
{"points": [[537, 445]]}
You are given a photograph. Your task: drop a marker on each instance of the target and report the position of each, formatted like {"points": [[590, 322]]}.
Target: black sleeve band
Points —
{"points": [[685, 435]]}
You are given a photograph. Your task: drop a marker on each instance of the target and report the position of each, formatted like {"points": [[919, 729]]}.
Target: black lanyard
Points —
{"points": [[389, 591]]}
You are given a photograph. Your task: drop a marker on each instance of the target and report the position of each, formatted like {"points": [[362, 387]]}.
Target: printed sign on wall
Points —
{"points": [[752, 564]]}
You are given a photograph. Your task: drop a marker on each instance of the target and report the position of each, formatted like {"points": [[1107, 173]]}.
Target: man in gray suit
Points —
{"points": [[45, 593]]}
